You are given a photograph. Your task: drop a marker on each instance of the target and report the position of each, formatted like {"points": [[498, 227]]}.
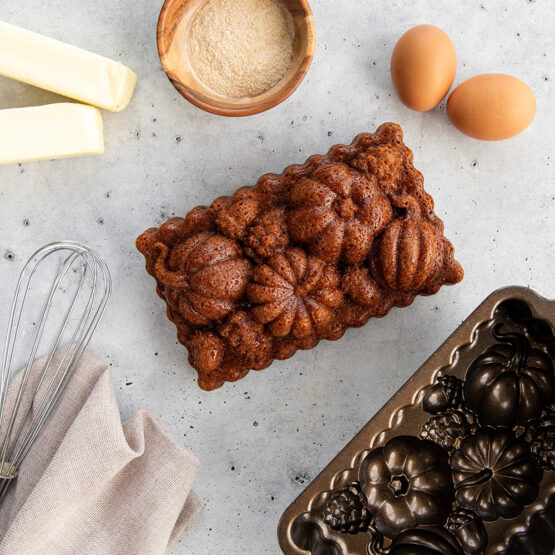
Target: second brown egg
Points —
{"points": [[423, 67]]}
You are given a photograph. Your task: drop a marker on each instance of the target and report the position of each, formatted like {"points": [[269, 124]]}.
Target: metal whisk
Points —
{"points": [[73, 286]]}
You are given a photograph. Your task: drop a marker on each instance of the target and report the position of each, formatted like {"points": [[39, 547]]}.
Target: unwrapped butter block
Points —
{"points": [[51, 131], [64, 69]]}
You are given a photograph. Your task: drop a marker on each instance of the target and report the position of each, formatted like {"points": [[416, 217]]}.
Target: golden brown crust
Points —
{"points": [[299, 257]]}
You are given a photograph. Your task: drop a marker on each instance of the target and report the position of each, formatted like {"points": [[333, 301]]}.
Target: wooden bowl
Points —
{"points": [[173, 27]]}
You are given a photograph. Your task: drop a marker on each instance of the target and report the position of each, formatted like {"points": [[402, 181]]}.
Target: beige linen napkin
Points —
{"points": [[93, 485]]}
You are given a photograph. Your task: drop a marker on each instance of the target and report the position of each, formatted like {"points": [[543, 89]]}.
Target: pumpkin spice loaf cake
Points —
{"points": [[300, 257]]}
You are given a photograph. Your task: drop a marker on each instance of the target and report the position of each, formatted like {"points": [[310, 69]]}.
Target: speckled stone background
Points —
{"points": [[261, 440]]}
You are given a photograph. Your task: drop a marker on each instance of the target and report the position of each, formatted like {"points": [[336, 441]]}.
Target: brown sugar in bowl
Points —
{"points": [[173, 25]]}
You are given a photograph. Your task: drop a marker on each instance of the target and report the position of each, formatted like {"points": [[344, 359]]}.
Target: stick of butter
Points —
{"points": [[51, 131], [64, 69]]}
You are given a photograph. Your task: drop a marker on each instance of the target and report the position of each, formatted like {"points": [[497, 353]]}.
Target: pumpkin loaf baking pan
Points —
{"points": [[300, 257], [461, 460]]}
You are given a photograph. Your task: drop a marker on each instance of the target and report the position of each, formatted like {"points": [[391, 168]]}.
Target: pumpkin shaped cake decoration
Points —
{"points": [[407, 483], [510, 383], [338, 212], [299, 257], [209, 272], [495, 474], [294, 293], [410, 252]]}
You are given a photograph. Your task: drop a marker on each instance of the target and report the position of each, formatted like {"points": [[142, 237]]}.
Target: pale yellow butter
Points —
{"points": [[51, 131], [64, 69]]}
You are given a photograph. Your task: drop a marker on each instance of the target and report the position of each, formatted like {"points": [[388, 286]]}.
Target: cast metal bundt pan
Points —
{"points": [[461, 460]]}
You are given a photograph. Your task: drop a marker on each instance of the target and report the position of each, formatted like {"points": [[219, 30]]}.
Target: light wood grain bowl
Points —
{"points": [[173, 26]]}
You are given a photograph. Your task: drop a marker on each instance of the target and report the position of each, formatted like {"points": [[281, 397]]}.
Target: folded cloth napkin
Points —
{"points": [[91, 484]]}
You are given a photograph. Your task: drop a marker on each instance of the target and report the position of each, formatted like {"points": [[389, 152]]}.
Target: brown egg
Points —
{"points": [[423, 66], [492, 106]]}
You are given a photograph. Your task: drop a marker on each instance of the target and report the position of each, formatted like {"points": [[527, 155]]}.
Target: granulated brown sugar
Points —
{"points": [[240, 47]]}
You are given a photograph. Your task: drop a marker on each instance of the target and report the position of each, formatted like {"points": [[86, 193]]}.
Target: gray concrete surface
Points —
{"points": [[261, 440]]}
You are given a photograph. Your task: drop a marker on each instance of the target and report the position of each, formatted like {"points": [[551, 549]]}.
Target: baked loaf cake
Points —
{"points": [[300, 257]]}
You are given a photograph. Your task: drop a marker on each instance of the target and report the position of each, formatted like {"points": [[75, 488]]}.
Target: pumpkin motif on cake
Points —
{"points": [[209, 273], [337, 212], [510, 383], [410, 252], [495, 474], [294, 293]]}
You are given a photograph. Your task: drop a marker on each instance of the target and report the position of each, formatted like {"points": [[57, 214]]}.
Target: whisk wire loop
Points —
{"points": [[20, 425]]}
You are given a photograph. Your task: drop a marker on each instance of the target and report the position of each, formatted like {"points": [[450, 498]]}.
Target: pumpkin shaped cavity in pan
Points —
{"points": [[407, 483], [510, 383], [495, 474]]}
